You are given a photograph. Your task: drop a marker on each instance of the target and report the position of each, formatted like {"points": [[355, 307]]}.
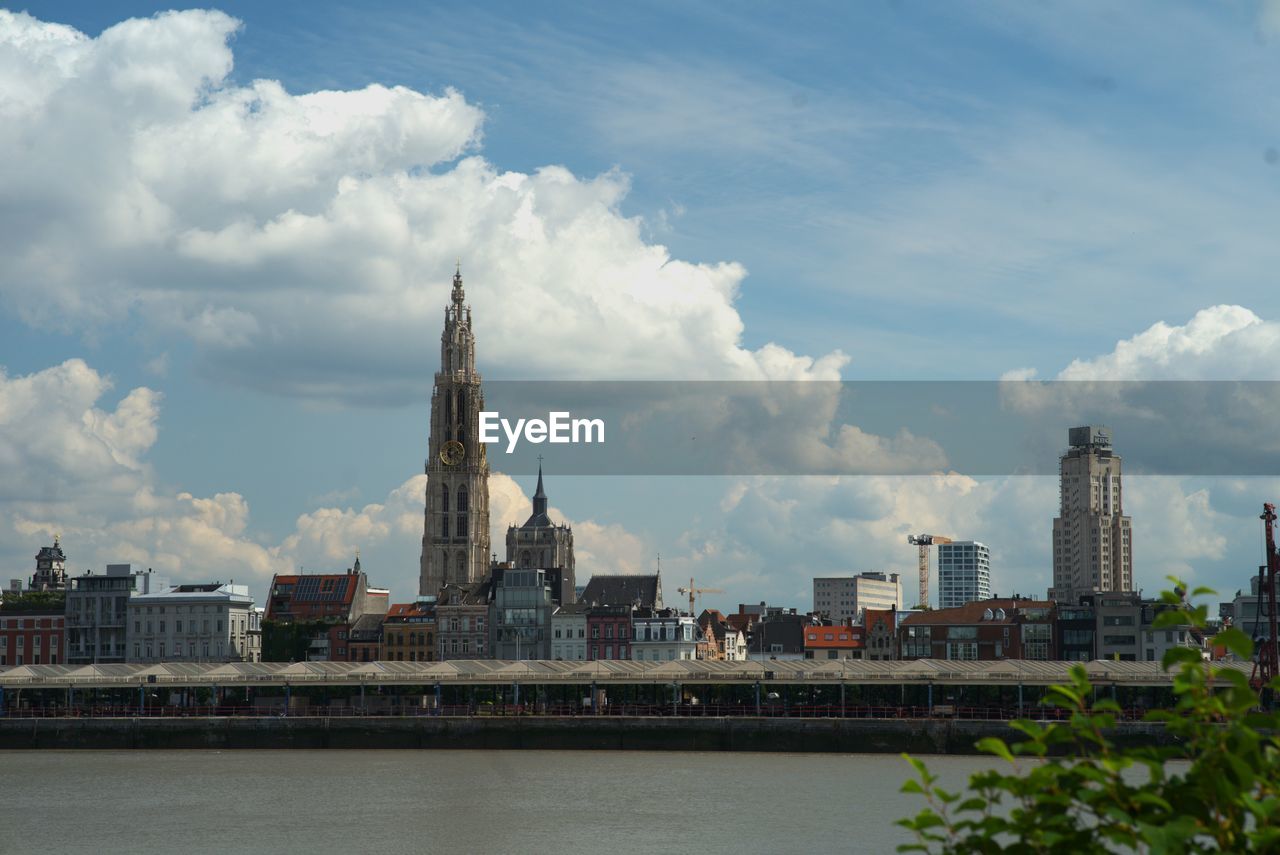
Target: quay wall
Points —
{"points": [[917, 736]]}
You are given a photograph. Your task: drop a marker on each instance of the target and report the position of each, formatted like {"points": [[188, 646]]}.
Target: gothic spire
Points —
{"points": [[539, 495], [458, 294]]}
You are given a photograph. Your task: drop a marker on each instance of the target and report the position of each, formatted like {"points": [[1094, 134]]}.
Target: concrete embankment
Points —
{"points": [[932, 736]]}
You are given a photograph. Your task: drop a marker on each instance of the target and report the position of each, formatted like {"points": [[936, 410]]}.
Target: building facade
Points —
{"points": [[1092, 538], [521, 614], [986, 630], [97, 613], [455, 537], [609, 632], [569, 633], [409, 632], [51, 568], [881, 634], [964, 573], [31, 638], [837, 641], [194, 623], [540, 543], [337, 597], [662, 635], [844, 598], [462, 622]]}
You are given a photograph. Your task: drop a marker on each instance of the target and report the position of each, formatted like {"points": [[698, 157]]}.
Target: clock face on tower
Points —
{"points": [[452, 452]]}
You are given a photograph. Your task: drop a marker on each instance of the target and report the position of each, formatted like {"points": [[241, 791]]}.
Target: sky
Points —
{"points": [[227, 238]]}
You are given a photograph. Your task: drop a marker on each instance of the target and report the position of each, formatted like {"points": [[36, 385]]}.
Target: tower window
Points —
{"points": [[462, 500], [444, 498]]}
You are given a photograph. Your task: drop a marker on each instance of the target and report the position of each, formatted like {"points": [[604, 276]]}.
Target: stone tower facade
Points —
{"points": [[1092, 538], [51, 568], [540, 543], [455, 537]]}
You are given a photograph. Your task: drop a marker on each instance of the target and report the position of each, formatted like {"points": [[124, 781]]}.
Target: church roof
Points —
{"points": [[539, 518], [624, 590]]}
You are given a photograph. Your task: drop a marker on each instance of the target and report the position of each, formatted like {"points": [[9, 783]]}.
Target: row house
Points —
{"points": [[840, 641], [409, 632], [662, 635], [609, 630], [462, 621], [726, 643], [880, 635], [569, 632], [982, 630]]}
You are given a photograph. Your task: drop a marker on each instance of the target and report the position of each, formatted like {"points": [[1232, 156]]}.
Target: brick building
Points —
{"points": [[985, 630], [31, 638], [409, 632]]}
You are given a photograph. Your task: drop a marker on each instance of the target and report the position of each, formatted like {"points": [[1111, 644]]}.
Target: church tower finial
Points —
{"points": [[459, 295]]}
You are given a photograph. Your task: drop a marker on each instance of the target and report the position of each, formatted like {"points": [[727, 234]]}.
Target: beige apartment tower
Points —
{"points": [[1092, 538]]}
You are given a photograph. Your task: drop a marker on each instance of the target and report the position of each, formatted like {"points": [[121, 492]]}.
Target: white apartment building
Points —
{"points": [[964, 573], [663, 635], [842, 598], [569, 633], [195, 623], [97, 612]]}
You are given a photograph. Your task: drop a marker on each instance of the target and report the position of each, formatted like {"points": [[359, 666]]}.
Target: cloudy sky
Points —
{"points": [[227, 235]]}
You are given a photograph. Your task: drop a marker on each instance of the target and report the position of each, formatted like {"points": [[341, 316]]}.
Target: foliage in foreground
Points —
{"points": [[1215, 789]]}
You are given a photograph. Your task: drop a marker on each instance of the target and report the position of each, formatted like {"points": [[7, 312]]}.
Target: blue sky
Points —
{"points": [[905, 190]]}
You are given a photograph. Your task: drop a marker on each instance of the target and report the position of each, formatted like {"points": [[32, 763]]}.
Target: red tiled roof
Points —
{"points": [[974, 613], [838, 637]]}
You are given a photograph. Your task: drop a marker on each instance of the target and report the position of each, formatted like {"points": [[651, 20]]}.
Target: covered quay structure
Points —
{"points": [[923, 688]]}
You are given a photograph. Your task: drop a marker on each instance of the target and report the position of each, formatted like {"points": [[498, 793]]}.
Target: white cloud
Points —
{"points": [[303, 242]]}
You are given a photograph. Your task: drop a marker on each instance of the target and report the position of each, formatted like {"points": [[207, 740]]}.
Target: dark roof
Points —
{"points": [[578, 608], [623, 590], [51, 553], [476, 594], [366, 628], [203, 588], [975, 612], [539, 517], [784, 630]]}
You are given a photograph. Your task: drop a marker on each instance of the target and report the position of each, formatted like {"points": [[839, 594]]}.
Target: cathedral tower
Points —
{"points": [[455, 537]]}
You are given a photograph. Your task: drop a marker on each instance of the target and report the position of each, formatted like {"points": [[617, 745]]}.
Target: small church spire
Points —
{"points": [[539, 495]]}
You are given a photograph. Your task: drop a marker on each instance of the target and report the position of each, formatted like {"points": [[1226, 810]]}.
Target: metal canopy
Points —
{"points": [[616, 672]]}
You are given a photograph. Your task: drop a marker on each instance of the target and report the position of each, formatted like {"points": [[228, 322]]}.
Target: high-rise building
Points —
{"points": [[455, 537], [1092, 539], [844, 598], [964, 573], [542, 544]]}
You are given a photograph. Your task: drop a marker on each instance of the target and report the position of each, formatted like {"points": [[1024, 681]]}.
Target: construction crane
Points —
{"points": [[692, 592], [925, 541], [1266, 666]]}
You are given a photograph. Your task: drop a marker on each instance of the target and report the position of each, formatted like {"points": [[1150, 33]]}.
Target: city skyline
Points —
{"points": [[227, 373]]}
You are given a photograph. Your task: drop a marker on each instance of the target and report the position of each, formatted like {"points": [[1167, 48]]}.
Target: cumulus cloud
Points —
{"points": [[303, 242]]}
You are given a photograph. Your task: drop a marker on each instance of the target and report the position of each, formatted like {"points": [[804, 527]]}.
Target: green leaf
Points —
{"points": [[1235, 641], [996, 746]]}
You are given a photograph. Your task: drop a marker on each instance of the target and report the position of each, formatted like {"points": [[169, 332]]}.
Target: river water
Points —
{"points": [[559, 802]]}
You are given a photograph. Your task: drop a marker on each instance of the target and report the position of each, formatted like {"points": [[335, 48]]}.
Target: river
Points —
{"points": [[560, 802]]}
